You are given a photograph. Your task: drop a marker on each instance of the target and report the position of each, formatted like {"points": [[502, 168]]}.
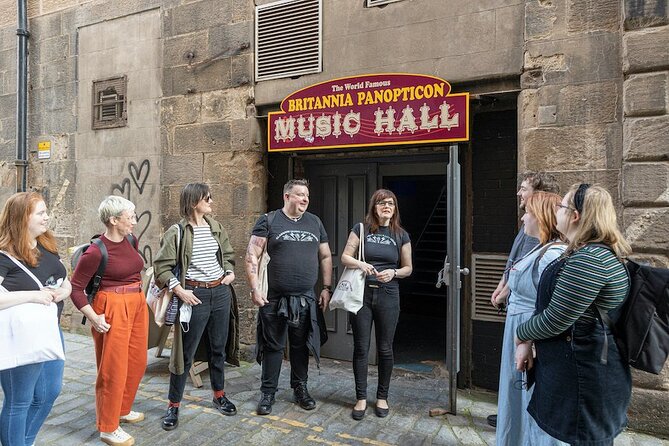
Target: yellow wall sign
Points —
{"points": [[44, 150]]}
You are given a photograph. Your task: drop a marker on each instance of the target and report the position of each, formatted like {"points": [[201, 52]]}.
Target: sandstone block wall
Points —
{"points": [[209, 131], [570, 115], [645, 173]]}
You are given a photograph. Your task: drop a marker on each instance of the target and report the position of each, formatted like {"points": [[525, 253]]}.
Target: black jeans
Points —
{"points": [[212, 316], [275, 328], [381, 306]]}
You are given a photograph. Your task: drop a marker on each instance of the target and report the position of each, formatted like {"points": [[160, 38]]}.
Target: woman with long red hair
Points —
{"points": [[29, 248], [387, 250]]}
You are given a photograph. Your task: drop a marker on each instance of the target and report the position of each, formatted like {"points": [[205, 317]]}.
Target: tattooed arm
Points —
{"points": [[351, 251], [253, 255]]}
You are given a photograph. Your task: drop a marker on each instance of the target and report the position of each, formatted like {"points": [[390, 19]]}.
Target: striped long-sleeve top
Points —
{"points": [[591, 274]]}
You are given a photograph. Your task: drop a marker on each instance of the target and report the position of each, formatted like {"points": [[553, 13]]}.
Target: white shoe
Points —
{"points": [[117, 438], [132, 417]]}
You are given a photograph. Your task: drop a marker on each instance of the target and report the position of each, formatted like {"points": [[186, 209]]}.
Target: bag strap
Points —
{"points": [[180, 231], [361, 245], [24, 268]]}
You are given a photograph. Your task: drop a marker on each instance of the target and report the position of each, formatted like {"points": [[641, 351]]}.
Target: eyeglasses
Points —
{"points": [[389, 203], [207, 197], [560, 205], [132, 217]]}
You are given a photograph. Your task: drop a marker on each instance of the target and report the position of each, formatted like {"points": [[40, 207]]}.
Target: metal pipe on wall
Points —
{"points": [[21, 97]]}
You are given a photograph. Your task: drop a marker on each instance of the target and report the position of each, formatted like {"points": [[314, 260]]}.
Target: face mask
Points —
{"points": [[185, 313]]}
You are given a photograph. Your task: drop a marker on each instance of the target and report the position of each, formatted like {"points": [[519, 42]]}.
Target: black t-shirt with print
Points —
{"points": [[293, 250], [49, 270], [381, 248]]}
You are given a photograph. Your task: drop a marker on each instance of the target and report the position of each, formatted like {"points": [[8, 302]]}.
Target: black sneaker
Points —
{"points": [[303, 398], [225, 406], [492, 420], [171, 418], [265, 404]]}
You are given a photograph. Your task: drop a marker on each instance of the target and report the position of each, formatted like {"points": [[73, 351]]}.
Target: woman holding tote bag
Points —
{"points": [[387, 258], [32, 278]]}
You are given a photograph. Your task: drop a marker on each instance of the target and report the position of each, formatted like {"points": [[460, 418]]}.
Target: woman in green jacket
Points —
{"points": [[201, 247]]}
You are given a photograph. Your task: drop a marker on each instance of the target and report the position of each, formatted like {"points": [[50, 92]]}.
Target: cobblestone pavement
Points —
{"points": [[72, 420]]}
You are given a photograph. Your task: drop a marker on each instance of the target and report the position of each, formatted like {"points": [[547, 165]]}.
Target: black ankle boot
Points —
{"points": [[171, 418], [265, 404], [303, 398]]}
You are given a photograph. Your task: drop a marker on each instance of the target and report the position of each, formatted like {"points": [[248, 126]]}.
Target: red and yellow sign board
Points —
{"points": [[372, 110]]}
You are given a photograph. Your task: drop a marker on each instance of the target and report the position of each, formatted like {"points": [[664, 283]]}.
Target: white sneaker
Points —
{"points": [[132, 417], [117, 438]]}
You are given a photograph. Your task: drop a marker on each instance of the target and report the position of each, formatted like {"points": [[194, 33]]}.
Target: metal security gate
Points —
{"points": [[450, 276]]}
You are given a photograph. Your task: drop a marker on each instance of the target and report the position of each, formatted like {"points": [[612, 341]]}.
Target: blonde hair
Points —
{"points": [[598, 222], [113, 206], [542, 206]]}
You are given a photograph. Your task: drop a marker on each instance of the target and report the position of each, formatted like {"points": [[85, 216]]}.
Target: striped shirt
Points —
{"points": [[591, 274], [204, 266]]}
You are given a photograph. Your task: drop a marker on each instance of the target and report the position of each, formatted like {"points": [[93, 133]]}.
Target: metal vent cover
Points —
{"points": [[110, 103], [372, 3], [487, 269], [288, 39]]}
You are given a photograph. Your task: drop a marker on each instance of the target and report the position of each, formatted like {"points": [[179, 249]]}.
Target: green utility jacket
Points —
{"points": [[166, 259]]}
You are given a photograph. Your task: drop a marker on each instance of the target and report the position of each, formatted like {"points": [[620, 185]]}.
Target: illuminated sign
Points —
{"points": [[371, 110]]}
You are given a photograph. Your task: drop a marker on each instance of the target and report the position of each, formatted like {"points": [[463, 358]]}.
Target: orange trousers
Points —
{"points": [[120, 355]]}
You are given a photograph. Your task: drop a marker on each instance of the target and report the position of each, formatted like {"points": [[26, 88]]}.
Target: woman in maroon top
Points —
{"points": [[119, 320]]}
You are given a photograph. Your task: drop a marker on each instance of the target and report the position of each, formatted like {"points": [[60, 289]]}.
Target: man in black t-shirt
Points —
{"points": [[297, 244]]}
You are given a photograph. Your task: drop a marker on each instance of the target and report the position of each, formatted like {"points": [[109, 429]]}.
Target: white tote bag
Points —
{"points": [[351, 286], [29, 331]]}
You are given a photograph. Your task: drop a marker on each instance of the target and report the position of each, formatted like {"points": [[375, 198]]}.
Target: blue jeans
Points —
{"points": [[30, 392]]}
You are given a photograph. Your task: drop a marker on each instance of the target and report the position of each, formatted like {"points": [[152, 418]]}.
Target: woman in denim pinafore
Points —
{"points": [[583, 386]]}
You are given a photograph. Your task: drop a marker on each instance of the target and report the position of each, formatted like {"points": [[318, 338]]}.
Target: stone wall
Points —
{"points": [[569, 107], [209, 131], [458, 40], [645, 171]]}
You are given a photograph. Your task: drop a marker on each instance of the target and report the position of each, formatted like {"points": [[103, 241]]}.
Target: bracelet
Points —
{"points": [[395, 273]]}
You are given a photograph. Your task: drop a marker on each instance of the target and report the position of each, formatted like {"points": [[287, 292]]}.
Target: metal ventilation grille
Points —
{"points": [[487, 269], [288, 38], [372, 3], [110, 103]]}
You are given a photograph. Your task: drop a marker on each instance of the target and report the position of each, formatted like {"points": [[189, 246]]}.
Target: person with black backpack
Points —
{"points": [[118, 316], [582, 384]]}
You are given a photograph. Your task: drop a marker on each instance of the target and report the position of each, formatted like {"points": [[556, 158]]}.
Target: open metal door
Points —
{"points": [[450, 276]]}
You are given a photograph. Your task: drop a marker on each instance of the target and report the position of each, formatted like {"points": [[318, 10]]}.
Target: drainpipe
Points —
{"points": [[21, 97]]}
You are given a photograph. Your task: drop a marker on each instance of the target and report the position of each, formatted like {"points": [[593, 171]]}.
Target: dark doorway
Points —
{"points": [[421, 331]]}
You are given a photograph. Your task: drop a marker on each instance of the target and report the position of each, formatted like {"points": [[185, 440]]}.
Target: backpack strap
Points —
{"points": [[134, 241], [96, 280], [602, 315]]}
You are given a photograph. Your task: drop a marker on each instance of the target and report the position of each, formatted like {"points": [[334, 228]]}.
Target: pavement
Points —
{"points": [[72, 420]]}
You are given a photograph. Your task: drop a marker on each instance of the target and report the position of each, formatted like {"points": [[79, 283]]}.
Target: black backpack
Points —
{"points": [[93, 285], [641, 324]]}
